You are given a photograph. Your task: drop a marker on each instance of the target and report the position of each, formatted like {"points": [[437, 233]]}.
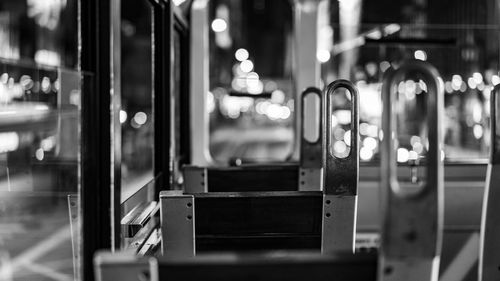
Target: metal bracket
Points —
{"points": [[489, 257], [412, 224], [195, 179], [340, 178], [177, 224], [137, 218], [338, 233]]}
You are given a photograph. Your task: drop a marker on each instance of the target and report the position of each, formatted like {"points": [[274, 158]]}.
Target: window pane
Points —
{"points": [[40, 31], [136, 115], [39, 172], [459, 38], [251, 98]]}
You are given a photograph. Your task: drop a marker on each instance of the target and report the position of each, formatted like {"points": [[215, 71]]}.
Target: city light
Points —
{"points": [[140, 118], [403, 155], [420, 55], [219, 25], [339, 147], [246, 66], [39, 154], [241, 54], [370, 143], [365, 153], [323, 56], [478, 78], [495, 80], [123, 116], [9, 142], [347, 137], [456, 82]]}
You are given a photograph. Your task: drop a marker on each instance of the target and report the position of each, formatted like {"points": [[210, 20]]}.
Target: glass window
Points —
{"points": [[251, 95], [177, 97], [137, 121], [460, 38], [40, 31], [40, 98], [39, 172], [136, 114]]}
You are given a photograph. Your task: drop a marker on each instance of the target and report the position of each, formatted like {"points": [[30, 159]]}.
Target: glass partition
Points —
{"points": [[40, 171], [460, 38]]}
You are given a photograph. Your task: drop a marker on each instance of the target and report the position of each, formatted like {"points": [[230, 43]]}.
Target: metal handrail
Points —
{"points": [[489, 256], [412, 223]]}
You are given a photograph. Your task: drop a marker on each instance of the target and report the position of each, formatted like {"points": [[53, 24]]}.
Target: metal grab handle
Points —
{"points": [[489, 257], [311, 152], [340, 177], [495, 130], [341, 174], [412, 225]]}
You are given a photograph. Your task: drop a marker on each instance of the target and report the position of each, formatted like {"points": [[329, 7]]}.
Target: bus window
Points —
{"points": [[250, 101], [41, 32], [459, 38], [40, 125], [136, 115]]}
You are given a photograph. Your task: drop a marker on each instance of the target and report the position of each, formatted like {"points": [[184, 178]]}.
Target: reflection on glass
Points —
{"points": [[461, 41], [39, 172], [250, 100], [136, 96], [37, 31], [340, 131]]}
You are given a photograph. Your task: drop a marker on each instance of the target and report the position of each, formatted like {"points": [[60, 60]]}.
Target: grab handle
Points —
{"points": [[340, 177], [412, 225], [341, 174], [310, 151]]}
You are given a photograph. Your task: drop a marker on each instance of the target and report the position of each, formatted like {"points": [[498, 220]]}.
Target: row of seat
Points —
{"points": [[302, 218]]}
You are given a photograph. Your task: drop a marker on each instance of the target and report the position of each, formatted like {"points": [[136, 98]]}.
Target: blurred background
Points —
{"points": [[251, 52], [251, 98]]}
